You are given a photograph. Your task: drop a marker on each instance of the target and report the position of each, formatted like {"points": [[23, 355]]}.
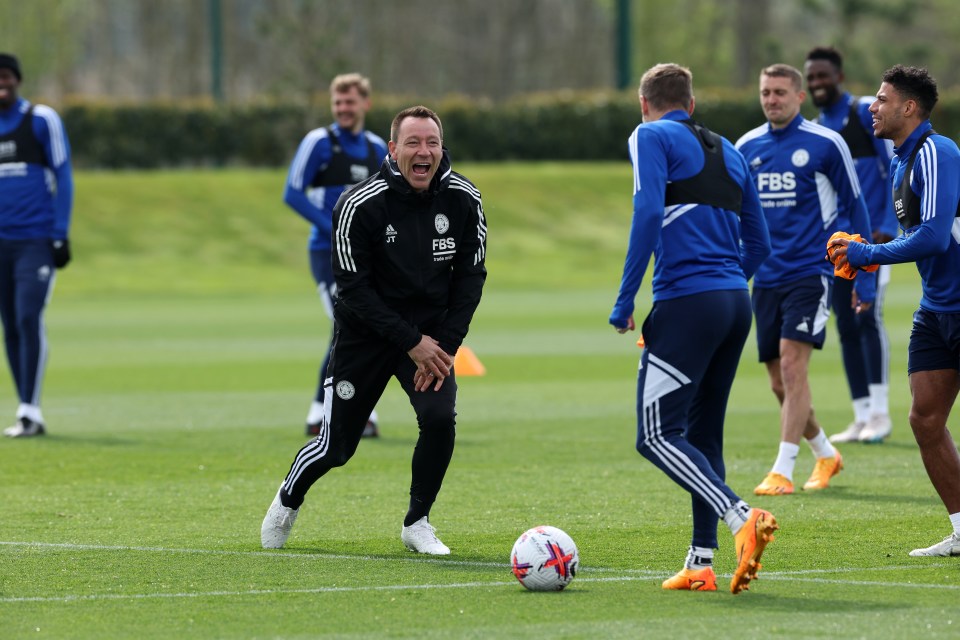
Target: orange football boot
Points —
{"points": [[774, 485], [750, 542], [825, 469], [692, 580]]}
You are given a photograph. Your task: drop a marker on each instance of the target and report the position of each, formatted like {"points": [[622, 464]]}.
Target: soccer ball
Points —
{"points": [[544, 559]]}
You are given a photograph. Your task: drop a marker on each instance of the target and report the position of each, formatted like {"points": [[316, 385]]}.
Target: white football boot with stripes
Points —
{"points": [[422, 538], [277, 524]]}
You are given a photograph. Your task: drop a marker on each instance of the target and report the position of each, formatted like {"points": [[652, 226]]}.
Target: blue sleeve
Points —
{"points": [[314, 152], [930, 238], [754, 234], [938, 201], [850, 200], [866, 283], [50, 132], [649, 187], [63, 202]]}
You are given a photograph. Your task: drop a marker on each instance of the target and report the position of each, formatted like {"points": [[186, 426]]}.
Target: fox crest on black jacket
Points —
{"points": [[407, 262]]}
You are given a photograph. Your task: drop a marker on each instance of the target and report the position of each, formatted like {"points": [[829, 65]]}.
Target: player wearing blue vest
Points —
{"points": [[328, 161], [863, 337], [806, 180], [36, 197], [696, 210], [925, 174]]}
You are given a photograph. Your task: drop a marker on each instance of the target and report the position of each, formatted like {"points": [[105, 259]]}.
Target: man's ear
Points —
{"points": [[910, 108]]}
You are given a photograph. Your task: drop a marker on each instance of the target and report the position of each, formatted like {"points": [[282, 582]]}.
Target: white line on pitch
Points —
{"points": [[267, 592], [287, 554], [640, 573]]}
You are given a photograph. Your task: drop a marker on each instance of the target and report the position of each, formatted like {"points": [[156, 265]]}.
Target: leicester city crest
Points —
{"points": [[442, 223], [800, 158], [345, 390]]}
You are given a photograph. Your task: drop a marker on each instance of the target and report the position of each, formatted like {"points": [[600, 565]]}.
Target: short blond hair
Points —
{"points": [[667, 85], [346, 81], [781, 70]]}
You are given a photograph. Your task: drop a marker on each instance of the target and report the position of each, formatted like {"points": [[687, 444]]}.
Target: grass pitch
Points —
{"points": [[175, 410]]}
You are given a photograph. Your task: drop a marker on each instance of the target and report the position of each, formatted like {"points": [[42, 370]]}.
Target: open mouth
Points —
{"points": [[421, 168]]}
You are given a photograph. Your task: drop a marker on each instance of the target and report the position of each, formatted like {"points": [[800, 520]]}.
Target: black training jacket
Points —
{"points": [[409, 263]]}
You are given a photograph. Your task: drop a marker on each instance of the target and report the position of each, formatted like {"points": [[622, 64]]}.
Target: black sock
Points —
{"points": [[288, 501], [418, 509]]}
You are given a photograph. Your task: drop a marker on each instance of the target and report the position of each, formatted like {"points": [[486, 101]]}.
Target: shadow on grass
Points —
{"points": [[847, 493], [791, 604]]}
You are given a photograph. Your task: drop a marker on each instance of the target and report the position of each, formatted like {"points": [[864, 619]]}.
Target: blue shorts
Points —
{"points": [[798, 310], [934, 342]]}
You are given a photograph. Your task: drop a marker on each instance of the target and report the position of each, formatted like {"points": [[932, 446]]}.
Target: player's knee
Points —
{"points": [[437, 418], [340, 452], [645, 445], [28, 324], [793, 374], [927, 426], [338, 458], [776, 386]]}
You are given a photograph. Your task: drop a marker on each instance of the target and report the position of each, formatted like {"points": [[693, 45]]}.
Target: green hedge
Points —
{"points": [[558, 126]]}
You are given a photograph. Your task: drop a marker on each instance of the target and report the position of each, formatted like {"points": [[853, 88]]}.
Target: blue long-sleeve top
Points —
{"points": [[696, 247], [36, 200], [313, 155], [934, 244], [806, 181]]}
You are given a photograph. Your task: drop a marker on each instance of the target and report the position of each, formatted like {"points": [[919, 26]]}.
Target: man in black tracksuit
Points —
{"points": [[408, 256]]}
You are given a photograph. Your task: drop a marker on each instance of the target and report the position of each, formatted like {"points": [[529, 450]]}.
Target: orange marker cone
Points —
{"points": [[466, 363]]}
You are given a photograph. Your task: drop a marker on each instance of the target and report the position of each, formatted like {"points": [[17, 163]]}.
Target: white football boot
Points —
{"points": [[25, 428], [277, 524], [422, 538], [850, 434], [877, 430], [949, 547]]}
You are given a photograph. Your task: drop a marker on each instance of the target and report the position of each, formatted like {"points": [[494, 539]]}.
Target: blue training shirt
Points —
{"points": [[313, 155], [696, 247], [806, 181], [36, 200], [934, 244], [872, 171]]}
